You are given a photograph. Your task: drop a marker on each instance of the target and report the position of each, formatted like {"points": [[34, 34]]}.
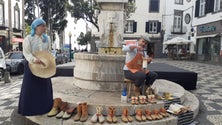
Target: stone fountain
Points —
{"points": [[103, 71], [97, 76]]}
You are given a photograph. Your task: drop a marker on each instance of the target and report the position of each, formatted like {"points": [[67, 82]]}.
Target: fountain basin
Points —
{"points": [[99, 72]]}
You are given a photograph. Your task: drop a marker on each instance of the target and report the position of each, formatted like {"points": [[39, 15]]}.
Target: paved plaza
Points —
{"points": [[208, 91]]}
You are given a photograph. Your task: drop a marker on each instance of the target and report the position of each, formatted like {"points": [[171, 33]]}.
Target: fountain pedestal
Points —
{"points": [[99, 72], [104, 71]]}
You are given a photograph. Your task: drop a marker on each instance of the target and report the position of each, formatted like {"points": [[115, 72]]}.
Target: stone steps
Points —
{"points": [[64, 88]]}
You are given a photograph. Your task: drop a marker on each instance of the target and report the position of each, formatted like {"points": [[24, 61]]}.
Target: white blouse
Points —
{"points": [[32, 44]]}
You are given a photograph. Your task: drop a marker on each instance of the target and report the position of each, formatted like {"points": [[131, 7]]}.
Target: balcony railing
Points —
{"points": [[176, 30]]}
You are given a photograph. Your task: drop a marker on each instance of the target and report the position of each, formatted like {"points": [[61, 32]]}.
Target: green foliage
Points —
{"points": [[85, 10], [54, 12], [129, 8], [27, 29], [29, 11], [84, 38]]}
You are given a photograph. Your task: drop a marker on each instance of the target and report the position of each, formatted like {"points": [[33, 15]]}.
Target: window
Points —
{"points": [[178, 1], [153, 26], [1, 13], [217, 5], [154, 6], [17, 16], [202, 7], [130, 27], [177, 27]]}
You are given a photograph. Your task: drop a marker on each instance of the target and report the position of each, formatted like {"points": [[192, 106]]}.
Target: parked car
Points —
{"points": [[2, 64], [60, 57], [15, 62]]}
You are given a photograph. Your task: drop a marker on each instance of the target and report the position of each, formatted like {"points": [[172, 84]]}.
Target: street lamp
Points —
{"points": [[70, 35]]}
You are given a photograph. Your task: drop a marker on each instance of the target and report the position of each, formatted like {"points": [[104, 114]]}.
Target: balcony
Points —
{"points": [[176, 30]]}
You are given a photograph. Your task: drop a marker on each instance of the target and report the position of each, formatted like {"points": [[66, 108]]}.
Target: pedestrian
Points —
{"points": [[36, 96], [221, 52], [133, 68]]}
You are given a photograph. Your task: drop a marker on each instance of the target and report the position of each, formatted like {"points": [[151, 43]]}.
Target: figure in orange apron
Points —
{"points": [[133, 68]]}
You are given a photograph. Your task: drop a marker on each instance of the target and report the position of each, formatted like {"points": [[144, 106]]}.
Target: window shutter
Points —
{"points": [[147, 27], [209, 6], [134, 26], [197, 8], [158, 27]]}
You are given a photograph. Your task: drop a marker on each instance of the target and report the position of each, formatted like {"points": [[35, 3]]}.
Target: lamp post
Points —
{"points": [[70, 35]]}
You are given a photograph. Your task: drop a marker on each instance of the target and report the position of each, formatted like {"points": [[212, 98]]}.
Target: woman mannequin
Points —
{"points": [[36, 97]]}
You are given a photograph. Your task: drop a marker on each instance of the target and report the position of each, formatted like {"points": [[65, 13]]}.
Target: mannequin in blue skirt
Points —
{"points": [[36, 97]]}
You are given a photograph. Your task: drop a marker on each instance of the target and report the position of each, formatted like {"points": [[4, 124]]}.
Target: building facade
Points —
{"points": [[208, 29], [146, 20], [11, 24]]}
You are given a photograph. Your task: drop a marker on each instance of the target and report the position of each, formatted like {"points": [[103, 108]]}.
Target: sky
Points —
{"points": [[75, 29]]}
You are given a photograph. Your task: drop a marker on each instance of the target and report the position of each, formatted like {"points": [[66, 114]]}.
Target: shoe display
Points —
{"points": [[53, 112], [139, 115], [163, 112], [167, 96], [151, 99], [142, 99], [148, 115], [84, 115], [79, 113], [55, 109], [60, 114], [68, 112], [111, 116], [98, 116], [125, 115]]}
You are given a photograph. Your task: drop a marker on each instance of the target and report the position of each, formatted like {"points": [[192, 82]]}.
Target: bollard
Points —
{"points": [[7, 77]]}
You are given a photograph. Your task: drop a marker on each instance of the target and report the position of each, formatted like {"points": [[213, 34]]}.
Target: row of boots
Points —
{"points": [[61, 109], [82, 112], [111, 115]]}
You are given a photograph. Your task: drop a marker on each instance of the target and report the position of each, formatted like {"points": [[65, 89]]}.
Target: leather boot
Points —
{"points": [[100, 115], [84, 115], [136, 91], [124, 115], [111, 115], [79, 113], [55, 109]]}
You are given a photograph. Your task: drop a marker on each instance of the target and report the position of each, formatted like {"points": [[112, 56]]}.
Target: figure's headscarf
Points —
{"points": [[36, 23]]}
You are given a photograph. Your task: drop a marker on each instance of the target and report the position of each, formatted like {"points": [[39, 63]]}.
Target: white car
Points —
{"points": [[2, 64]]}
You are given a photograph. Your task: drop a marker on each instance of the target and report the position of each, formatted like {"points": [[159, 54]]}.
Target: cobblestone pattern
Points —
{"points": [[208, 91]]}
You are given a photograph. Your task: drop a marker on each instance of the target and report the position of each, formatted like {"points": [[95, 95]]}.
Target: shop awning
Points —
{"points": [[17, 40], [130, 42], [205, 36]]}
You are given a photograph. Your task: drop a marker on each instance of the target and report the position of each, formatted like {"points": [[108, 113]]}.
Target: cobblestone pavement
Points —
{"points": [[208, 91]]}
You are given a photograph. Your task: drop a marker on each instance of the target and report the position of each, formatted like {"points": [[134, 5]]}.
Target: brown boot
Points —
{"points": [[84, 116], [111, 115], [124, 115], [55, 109], [136, 91], [79, 113]]}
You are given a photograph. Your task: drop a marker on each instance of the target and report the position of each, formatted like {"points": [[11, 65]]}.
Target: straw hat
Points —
{"points": [[47, 68]]}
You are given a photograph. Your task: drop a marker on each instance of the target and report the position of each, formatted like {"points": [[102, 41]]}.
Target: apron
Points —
{"points": [[136, 63]]}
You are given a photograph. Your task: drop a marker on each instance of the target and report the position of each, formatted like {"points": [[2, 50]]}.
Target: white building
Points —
{"points": [[11, 24], [177, 19], [208, 29], [146, 20]]}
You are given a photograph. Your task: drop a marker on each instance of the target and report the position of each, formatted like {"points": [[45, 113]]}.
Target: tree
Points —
{"points": [[86, 10], [54, 13], [84, 39], [29, 11]]}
